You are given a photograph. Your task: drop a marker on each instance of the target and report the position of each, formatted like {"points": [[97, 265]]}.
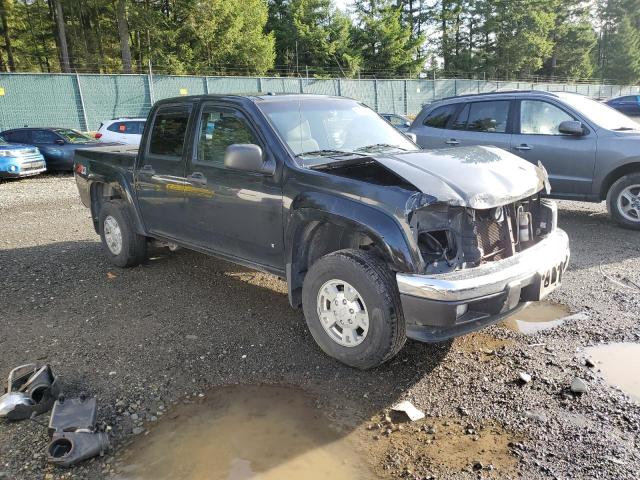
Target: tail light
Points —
{"points": [[98, 135]]}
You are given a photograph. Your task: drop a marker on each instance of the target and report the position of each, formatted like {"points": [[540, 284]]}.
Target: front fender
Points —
{"points": [[314, 207]]}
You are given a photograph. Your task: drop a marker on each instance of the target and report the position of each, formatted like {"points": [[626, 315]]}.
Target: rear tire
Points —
{"points": [[122, 245], [352, 307], [623, 201]]}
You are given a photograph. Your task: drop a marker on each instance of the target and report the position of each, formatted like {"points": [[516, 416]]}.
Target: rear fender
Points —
{"points": [[102, 189]]}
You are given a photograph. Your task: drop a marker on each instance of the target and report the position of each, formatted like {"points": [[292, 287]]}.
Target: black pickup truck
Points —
{"points": [[377, 240]]}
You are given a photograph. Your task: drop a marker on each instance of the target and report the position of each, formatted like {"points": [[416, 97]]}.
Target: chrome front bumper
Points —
{"points": [[492, 277], [441, 306]]}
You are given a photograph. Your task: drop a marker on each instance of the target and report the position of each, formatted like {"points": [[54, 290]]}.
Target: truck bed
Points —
{"points": [[106, 164]]}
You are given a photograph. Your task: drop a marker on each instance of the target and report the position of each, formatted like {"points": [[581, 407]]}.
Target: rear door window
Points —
{"points": [[44, 137], [460, 122], [116, 127], [488, 117], [439, 117], [169, 132], [128, 128], [18, 136]]}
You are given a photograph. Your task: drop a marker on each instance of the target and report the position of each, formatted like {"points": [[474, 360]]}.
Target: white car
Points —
{"points": [[123, 130]]}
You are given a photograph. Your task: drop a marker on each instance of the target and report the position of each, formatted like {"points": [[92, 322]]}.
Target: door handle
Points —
{"points": [[522, 147], [198, 178], [452, 141], [147, 170]]}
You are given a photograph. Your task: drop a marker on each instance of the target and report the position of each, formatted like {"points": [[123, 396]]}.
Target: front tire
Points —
{"points": [[352, 307], [623, 201], [122, 245]]}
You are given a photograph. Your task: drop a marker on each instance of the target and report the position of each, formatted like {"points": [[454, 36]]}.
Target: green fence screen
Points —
{"points": [[83, 101]]}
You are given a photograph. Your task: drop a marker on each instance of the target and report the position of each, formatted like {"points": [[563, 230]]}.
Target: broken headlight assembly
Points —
{"points": [[438, 249]]}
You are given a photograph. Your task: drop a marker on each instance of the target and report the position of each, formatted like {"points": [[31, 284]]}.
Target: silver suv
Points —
{"points": [[591, 151]]}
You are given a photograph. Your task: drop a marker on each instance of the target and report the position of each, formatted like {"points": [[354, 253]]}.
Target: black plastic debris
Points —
{"points": [[72, 428], [30, 391]]}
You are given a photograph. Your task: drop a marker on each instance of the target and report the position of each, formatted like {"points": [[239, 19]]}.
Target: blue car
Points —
{"points": [[20, 160], [57, 145], [399, 122], [629, 104]]}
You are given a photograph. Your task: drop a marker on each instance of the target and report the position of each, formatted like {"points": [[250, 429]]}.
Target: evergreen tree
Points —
{"points": [[574, 40], [623, 58], [386, 46], [312, 34]]}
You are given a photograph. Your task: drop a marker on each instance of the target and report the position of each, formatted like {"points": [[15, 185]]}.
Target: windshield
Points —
{"points": [[73, 136], [3, 141], [600, 114], [330, 127]]}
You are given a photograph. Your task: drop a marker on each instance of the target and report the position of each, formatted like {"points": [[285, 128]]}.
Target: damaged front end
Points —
{"points": [[453, 237], [480, 264]]}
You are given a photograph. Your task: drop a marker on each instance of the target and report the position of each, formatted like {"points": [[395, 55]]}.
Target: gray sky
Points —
{"points": [[342, 4]]}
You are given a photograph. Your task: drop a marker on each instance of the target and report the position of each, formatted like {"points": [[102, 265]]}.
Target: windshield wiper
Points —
{"points": [[327, 153], [379, 145]]}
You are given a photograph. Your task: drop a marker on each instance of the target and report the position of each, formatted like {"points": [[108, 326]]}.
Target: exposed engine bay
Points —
{"points": [[452, 238]]}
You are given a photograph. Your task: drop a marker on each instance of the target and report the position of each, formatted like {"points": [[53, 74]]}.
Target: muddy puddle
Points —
{"points": [[537, 316], [442, 446], [246, 432], [485, 346], [619, 364]]}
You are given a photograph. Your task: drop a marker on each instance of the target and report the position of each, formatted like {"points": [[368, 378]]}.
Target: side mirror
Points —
{"points": [[411, 136], [247, 157], [407, 124], [59, 142], [571, 127]]}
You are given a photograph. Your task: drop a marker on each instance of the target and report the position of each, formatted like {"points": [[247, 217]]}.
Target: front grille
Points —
{"points": [[30, 166], [490, 237]]}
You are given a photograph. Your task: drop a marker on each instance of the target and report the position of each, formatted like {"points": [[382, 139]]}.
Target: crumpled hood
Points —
{"points": [[476, 177]]}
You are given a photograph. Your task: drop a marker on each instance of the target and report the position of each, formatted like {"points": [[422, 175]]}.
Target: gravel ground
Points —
{"points": [[145, 338]]}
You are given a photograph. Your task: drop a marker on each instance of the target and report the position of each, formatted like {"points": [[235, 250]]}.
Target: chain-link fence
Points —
{"points": [[83, 101]]}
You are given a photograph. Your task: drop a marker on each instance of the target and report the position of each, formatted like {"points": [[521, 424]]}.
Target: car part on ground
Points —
{"points": [[72, 428], [585, 145], [30, 391]]}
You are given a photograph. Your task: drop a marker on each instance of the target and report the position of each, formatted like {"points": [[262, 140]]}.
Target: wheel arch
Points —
{"points": [[317, 229], [103, 190], [616, 174]]}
